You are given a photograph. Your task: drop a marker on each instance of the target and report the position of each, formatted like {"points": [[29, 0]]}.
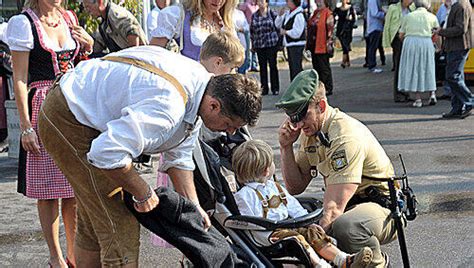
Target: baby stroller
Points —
{"points": [[213, 158], [214, 180]]}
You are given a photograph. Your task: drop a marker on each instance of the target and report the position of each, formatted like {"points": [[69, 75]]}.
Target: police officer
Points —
{"points": [[347, 155]]}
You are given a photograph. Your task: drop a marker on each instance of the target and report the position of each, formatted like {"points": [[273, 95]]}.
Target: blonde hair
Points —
{"points": [[226, 12], [225, 45], [33, 4], [250, 161]]}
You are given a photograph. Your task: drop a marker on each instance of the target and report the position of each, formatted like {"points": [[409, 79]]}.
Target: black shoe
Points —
{"points": [[383, 63], [452, 115], [365, 65], [444, 97], [466, 113], [276, 92]]}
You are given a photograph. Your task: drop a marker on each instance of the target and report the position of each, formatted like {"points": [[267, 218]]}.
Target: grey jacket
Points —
{"points": [[459, 32], [117, 26]]}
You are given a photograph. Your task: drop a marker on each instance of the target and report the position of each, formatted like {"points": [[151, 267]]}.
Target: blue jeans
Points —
{"points": [[461, 95], [253, 61], [245, 66], [374, 42], [447, 88]]}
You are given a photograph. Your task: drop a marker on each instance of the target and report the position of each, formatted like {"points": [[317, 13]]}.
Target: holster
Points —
{"points": [[371, 194]]}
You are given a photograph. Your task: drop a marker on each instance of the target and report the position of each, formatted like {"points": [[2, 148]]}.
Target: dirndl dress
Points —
{"points": [[417, 65], [43, 178]]}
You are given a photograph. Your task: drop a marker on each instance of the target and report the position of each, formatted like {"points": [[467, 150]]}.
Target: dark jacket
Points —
{"points": [[177, 220], [459, 32]]}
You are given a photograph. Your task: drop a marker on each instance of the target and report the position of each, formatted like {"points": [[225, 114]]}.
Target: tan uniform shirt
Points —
{"points": [[119, 24], [354, 152]]}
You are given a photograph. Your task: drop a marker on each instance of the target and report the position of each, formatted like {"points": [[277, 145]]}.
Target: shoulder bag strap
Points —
{"points": [[151, 69]]}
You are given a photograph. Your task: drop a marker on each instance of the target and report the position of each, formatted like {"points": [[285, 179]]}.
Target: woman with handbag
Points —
{"points": [[346, 17], [185, 27], [45, 41], [320, 42]]}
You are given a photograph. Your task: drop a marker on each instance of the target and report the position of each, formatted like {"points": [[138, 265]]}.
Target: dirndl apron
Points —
{"points": [[43, 178]]}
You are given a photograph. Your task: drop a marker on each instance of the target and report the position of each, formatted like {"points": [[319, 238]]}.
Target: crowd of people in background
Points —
{"points": [[46, 41]]}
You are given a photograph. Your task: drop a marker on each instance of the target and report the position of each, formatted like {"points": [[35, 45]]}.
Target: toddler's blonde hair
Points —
{"points": [[250, 160]]}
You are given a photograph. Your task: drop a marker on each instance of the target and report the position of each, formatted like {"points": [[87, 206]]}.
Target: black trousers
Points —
{"points": [[295, 57], [397, 53], [323, 67], [373, 44], [268, 56]]}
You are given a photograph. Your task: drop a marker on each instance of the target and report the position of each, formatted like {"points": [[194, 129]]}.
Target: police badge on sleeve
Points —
{"points": [[339, 160]]}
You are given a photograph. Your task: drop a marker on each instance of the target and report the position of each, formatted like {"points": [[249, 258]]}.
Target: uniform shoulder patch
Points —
{"points": [[339, 160]]}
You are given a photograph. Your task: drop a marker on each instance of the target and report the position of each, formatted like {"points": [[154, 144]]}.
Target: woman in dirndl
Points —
{"points": [[44, 40], [417, 61]]}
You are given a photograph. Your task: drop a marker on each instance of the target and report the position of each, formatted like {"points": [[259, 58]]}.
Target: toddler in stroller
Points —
{"points": [[260, 196]]}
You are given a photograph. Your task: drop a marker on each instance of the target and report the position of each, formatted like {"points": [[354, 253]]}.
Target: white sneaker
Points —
{"points": [[375, 70], [418, 103]]}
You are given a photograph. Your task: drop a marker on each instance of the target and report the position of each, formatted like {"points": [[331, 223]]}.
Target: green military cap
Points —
{"points": [[297, 97]]}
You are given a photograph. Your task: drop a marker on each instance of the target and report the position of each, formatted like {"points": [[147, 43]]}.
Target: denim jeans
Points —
{"points": [[461, 95], [374, 41], [245, 66], [253, 61]]}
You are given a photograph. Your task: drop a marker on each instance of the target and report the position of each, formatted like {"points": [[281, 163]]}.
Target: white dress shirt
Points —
{"points": [[137, 111]]}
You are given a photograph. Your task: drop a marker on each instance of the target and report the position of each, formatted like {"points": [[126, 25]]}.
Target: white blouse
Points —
{"points": [[169, 26], [299, 26], [19, 35]]}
